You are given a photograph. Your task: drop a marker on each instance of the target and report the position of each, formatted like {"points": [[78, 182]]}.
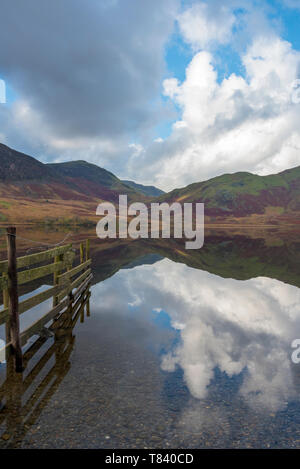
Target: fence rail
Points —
{"points": [[37, 258], [69, 283]]}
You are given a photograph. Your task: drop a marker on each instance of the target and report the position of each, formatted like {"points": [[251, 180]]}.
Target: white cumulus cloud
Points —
{"points": [[202, 25], [241, 123]]}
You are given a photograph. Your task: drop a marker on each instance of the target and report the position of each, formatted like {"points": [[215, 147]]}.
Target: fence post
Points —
{"points": [[81, 253], [88, 312], [87, 257], [7, 322], [13, 306], [87, 250], [57, 259], [81, 262]]}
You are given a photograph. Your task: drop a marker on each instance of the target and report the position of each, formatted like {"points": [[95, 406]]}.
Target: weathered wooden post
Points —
{"points": [[88, 312], [55, 279], [87, 250], [7, 322], [14, 418], [87, 256], [69, 267], [81, 253], [13, 303], [81, 262]]}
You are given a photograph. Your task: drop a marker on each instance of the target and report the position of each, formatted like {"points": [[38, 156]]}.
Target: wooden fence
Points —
{"points": [[24, 395], [69, 284]]}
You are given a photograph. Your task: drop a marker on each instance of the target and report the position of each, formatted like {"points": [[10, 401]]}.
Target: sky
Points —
{"points": [[167, 92]]}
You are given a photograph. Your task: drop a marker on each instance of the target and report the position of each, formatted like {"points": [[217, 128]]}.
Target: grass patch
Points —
{"points": [[5, 204]]}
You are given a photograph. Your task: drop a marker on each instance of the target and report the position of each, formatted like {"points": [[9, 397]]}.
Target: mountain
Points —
{"points": [[32, 191], [16, 166], [60, 180], [244, 196], [149, 191], [91, 180]]}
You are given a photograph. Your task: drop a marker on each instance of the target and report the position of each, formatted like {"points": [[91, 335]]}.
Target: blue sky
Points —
{"points": [[10, 93], [165, 93], [178, 54], [290, 20]]}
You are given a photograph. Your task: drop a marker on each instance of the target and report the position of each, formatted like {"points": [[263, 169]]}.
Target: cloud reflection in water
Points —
{"points": [[234, 326]]}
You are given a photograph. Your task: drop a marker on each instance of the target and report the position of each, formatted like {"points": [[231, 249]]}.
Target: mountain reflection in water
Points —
{"points": [[182, 349]]}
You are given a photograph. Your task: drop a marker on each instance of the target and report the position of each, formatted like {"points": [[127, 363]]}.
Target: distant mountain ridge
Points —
{"points": [[73, 189], [16, 166], [81, 176], [149, 191], [23, 175], [92, 180]]}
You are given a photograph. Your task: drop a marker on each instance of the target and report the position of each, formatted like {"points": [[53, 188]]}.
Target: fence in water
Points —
{"points": [[23, 396], [69, 287]]}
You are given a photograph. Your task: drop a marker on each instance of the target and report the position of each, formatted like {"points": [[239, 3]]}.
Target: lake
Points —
{"points": [[182, 348]]}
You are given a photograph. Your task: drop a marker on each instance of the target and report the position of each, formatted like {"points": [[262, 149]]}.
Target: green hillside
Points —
{"points": [[242, 194]]}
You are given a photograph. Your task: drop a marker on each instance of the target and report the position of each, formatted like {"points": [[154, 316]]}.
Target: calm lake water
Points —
{"points": [[182, 349]]}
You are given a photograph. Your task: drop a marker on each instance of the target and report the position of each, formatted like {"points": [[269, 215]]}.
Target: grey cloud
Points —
{"points": [[88, 68]]}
